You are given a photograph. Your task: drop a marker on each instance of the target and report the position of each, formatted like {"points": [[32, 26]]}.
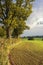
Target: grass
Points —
{"points": [[27, 53], [5, 46], [21, 52]]}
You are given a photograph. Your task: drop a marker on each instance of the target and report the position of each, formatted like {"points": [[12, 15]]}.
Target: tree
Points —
{"points": [[19, 29], [12, 12]]}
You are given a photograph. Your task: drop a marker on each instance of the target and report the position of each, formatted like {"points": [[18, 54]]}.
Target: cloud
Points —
{"points": [[37, 12], [35, 17]]}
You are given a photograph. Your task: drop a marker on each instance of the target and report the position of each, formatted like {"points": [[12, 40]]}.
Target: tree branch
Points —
{"points": [[2, 9]]}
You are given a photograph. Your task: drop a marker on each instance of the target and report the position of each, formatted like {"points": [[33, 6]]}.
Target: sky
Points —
{"points": [[35, 21]]}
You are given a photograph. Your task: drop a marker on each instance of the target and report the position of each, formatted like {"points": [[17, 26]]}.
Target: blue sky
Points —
{"points": [[35, 18]]}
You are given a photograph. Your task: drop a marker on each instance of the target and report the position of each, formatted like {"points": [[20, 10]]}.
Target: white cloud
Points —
{"points": [[35, 18], [36, 15]]}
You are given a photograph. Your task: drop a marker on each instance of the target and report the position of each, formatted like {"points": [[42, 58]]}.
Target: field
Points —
{"points": [[27, 52]]}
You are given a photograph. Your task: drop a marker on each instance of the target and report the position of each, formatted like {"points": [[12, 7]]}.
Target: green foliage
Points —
{"points": [[21, 26], [11, 11], [2, 32]]}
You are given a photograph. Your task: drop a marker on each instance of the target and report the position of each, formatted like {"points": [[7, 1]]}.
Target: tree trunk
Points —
{"points": [[7, 32]]}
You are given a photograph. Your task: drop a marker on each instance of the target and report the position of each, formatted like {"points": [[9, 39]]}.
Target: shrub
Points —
{"points": [[30, 38], [2, 32]]}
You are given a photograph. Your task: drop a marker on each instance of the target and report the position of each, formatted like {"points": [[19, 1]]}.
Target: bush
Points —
{"points": [[2, 32], [30, 38]]}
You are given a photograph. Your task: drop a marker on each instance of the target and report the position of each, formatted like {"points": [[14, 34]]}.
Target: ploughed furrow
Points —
{"points": [[24, 57]]}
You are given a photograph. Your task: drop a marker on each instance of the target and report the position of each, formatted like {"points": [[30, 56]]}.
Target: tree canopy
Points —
{"points": [[13, 14]]}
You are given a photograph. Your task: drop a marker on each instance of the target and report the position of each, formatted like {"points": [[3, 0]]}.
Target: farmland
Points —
{"points": [[28, 52]]}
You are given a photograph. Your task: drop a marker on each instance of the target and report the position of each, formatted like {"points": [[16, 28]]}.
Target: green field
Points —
{"points": [[27, 52]]}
